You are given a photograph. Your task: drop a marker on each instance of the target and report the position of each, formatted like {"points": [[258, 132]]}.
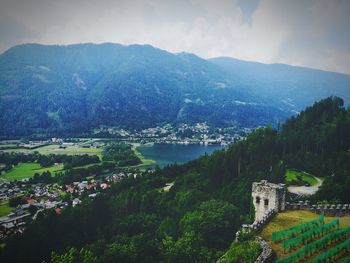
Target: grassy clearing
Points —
{"points": [[288, 219], [55, 149], [5, 209], [7, 146], [294, 177], [145, 163], [27, 170]]}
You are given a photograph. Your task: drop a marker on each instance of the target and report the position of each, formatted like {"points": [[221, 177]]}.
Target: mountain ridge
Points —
{"points": [[72, 88], [276, 64]]}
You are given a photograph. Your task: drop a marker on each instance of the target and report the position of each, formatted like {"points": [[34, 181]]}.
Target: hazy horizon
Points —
{"points": [[145, 44], [311, 34]]}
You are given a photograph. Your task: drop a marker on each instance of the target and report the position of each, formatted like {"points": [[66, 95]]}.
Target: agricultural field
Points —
{"points": [[8, 146], [289, 219], [294, 177], [55, 149], [27, 170]]}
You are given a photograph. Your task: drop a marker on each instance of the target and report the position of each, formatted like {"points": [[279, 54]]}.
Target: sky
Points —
{"points": [[310, 33]]}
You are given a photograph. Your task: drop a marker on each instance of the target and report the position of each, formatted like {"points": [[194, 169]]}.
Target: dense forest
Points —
{"points": [[195, 221], [51, 90], [120, 153]]}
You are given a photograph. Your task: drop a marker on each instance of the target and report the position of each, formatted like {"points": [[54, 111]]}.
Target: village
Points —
{"points": [[198, 133], [30, 201]]}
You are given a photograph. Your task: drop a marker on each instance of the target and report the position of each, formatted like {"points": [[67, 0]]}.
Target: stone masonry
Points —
{"points": [[267, 196]]}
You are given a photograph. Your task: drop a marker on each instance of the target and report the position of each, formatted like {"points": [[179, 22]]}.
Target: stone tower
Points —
{"points": [[267, 196]]}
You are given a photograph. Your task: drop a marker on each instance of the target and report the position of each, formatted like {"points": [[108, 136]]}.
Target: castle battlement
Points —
{"points": [[267, 196]]}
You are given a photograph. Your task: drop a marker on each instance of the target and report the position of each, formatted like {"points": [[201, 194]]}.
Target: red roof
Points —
{"points": [[31, 201], [58, 210], [104, 185]]}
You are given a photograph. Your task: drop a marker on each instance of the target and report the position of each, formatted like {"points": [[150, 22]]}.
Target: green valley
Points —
{"points": [[27, 170], [196, 218]]}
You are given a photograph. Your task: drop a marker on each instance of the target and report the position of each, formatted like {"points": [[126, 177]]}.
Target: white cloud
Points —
{"points": [[310, 33]]}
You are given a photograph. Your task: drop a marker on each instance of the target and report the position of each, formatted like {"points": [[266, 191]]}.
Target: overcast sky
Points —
{"points": [[312, 33]]}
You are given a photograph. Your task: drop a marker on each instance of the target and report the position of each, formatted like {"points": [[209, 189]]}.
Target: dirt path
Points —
{"points": [[306, 190], [167, 186]]}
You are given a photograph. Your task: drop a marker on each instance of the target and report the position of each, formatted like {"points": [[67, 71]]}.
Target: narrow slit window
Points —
{"points": [[257, 200], [266, 202]]}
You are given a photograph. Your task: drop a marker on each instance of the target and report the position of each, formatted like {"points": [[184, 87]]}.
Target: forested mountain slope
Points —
{"points": [[290, 87], [70, 89], [196, 220]]}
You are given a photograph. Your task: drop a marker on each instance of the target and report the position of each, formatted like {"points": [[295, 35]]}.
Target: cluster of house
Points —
{"points": [[9, 189], [32, 198], [33, 144], [198, 133], [40, 197], [116, 177]]}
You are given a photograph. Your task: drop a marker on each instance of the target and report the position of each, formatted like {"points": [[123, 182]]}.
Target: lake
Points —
{"points": [[165, 154]]}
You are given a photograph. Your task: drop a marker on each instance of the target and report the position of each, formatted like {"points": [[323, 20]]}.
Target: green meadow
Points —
{"points": [[55, 149], [27, 170], [295, 177]]}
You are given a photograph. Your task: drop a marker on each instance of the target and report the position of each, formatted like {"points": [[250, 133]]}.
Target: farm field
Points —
{"points": [[289, 219], [55, 149], [27, 170], [294, 177], [7, 146]]}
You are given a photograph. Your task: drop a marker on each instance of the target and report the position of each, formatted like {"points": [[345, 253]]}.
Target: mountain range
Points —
{"points": [[58, 89]]}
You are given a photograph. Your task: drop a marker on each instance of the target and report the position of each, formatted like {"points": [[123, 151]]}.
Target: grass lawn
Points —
{"points": [[294, 177], [288, 219], [5, 209], [7, 146], [27, 170], [55, 149]]}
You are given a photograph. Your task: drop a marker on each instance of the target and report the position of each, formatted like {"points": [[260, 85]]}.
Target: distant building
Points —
{"points": [[267, 196]]}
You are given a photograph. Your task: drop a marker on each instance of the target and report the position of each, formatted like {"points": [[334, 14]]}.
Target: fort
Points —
{"points": [[266, 197], [269, 199]]}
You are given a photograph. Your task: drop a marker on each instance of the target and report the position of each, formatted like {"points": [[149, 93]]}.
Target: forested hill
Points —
{"points": [[54, 89], [134, 221], [296, 87]]}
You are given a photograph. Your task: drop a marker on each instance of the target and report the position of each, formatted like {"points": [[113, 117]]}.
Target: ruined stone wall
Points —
{"points": [[267, 255], [267, 196], [327, 210]]}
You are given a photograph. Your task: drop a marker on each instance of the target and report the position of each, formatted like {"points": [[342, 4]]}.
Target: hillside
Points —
{"points": [[290, 87], [52, 90], [196, 219]]}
